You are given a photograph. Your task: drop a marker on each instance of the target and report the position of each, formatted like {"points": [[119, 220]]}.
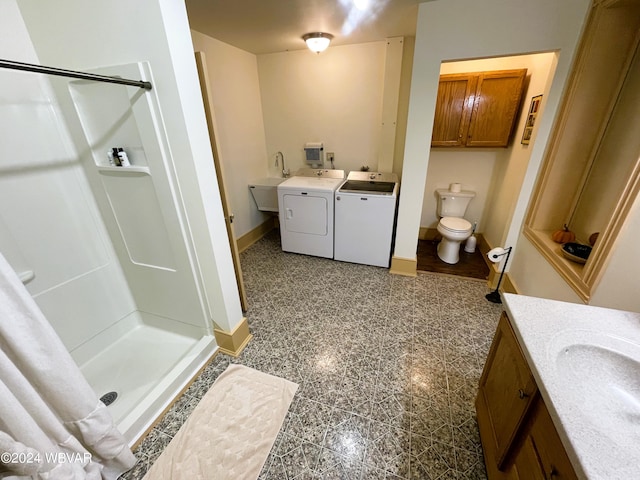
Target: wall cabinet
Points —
{"points": [[518, 437], [477, 109]]}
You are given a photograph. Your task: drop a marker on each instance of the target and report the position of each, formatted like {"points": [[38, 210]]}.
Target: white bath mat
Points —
{"points": [[231, 431]]}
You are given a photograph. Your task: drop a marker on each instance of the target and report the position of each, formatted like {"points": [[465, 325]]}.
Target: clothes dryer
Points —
{"points": [[306, 211]]}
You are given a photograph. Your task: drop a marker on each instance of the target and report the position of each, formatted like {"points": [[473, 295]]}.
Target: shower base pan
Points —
{"points": [[146, 360]]}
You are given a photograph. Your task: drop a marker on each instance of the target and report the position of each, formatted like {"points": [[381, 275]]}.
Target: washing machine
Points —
{"points": [[306, 207], [365, 213]]}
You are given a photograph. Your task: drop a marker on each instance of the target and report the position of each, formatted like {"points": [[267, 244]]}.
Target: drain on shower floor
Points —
{"points": [[109, 398]]}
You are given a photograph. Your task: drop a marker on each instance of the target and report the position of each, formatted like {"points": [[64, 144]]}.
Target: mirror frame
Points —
{"points": [[607, 48]]}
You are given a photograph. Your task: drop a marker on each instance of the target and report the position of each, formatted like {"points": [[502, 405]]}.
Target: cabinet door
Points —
{"points": [[542, 455], [495, 106], [453, 109], [506, 391]]}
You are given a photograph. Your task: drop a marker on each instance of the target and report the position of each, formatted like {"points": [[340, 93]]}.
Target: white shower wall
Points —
{"points": [[140, 205], [49, 222]]}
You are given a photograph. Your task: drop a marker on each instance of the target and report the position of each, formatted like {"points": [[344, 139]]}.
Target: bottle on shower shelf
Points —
{"points": [[124, 159], [114, 160]]}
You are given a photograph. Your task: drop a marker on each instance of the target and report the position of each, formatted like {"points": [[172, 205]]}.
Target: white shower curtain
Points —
{"points": [[52, 424]]}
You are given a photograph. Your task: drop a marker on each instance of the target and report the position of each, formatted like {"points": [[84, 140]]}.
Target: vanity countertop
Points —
{"points": [[586, 362]]}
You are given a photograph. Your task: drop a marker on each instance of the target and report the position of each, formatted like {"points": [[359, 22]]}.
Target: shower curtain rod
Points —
{"points": [[28, 67]]}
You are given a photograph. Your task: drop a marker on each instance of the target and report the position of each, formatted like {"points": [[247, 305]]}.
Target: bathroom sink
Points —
{"points": [[601, 374], [586, 363]]}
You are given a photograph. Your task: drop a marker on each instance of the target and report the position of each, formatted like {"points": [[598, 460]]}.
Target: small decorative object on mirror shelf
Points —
{"points": [[576, 252], [563, 236]]}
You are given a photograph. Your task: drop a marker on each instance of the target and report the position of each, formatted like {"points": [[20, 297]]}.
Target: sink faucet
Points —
{"points": [[285, 171]]}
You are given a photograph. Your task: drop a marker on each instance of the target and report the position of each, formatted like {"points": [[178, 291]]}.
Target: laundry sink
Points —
{"points": [[602, 376], [265, 193]]}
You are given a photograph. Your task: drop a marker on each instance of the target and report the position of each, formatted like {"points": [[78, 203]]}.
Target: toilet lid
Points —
{"points": [[455, 224]]}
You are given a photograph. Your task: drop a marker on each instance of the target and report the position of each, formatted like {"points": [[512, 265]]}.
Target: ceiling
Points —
{"points": [[269, 26]]}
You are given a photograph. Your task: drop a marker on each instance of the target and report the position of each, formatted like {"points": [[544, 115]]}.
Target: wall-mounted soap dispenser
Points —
{"points": [[313, 154]]}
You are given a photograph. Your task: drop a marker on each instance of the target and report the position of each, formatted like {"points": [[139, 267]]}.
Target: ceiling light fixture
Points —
{"points": [[361, 4], [317, 41]]}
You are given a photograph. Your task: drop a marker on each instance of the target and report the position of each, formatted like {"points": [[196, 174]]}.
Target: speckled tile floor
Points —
{"points": [[387, 365]]}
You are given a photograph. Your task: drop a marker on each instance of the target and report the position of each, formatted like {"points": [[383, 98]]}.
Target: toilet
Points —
{"points": [[453, 228]]}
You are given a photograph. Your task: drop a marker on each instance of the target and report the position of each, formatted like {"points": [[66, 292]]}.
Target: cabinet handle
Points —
{"points": [[522, 394], [552, 474]]}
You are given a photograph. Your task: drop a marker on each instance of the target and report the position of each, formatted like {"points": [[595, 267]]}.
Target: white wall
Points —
{"points": [[533, 275], [235, 90], [49, 222], [615, 160], [497, 28], [334, 98], [196, 172], [156, 31], [511, 164], [278, 102], [472, 169], [618, 287]]}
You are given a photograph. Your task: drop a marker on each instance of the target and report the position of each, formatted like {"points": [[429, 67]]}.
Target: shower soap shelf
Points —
{"points": [[125, 170], [26, 276]]}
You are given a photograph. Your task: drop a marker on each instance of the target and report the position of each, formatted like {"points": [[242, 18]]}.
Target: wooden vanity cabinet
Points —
{"points": [[540, 454], [477, 109], [518, 436], [506, 392]]}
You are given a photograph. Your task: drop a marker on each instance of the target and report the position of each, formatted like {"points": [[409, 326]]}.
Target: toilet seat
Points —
{"points": [[454, 224], [453, 230]]}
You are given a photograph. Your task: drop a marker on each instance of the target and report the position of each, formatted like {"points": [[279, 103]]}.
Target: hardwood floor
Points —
{"points": [[471, 265]]}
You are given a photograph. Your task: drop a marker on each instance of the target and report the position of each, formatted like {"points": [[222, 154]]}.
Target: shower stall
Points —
{"points": [[107, 251]]}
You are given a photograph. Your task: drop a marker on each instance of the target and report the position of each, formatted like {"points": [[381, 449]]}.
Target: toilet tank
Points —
{"points": [[452, 204]]}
